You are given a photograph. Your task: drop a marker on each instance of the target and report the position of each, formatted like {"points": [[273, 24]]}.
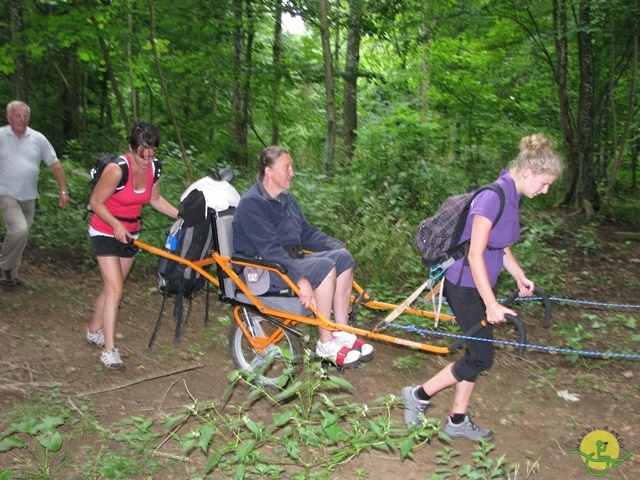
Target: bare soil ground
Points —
{"points": [[42, 324]]}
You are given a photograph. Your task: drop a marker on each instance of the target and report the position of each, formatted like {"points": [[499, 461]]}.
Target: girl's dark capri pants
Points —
{"points": [[104, 246], [469, 309], [317, 266]]}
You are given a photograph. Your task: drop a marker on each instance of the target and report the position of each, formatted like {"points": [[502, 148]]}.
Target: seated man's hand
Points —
{"points": [[307, 298]]}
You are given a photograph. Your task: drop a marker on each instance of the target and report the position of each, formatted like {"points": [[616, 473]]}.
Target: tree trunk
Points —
{"points": [[240, 126], [156, 56], [20, 74], [135, 107], [619, 147], [561, 73], [277, 75], [114, 83], [352, 67], [587, 191], [69, 95], [106, 56], [248, 76], [330, 141]]}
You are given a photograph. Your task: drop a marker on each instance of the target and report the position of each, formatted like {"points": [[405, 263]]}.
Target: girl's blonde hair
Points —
{"points": [[537, 154]]}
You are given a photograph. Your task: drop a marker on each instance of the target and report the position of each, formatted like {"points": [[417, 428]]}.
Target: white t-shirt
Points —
{"points": [[20, 162]]}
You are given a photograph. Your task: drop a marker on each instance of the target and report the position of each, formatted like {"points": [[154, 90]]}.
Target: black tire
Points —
{"points": [[271, 367]]}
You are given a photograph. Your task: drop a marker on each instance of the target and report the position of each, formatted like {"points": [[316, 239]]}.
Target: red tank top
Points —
{"points": [[126, 203]]}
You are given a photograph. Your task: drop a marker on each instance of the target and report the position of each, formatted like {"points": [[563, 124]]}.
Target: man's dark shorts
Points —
{"points": [[317, 266]]}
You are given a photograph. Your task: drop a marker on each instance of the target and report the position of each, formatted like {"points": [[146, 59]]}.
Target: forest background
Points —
{"points": [[387, 106]]}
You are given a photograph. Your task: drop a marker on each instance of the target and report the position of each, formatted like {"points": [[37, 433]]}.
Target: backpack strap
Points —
{"points": [[123, 163], [157, 170], [464, 251], [498, 189]]}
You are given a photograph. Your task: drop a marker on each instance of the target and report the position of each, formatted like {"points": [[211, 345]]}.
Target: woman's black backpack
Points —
{"points": [[191, 237]]}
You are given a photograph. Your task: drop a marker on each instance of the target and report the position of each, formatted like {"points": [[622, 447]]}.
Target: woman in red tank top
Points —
{"points": [[115, 224]]}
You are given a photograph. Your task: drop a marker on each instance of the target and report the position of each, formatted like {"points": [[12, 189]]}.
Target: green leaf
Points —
{"points": [[8, 443], [30, 427], [332, 431], [240, 471], [294, 388], [254, 426], [281, 419], [6, 475], [341, 381], [51, 442], [206, 433], [375, 427], [49, 424], [213, 461], [245, 450], [406, 446], [292, 449]]}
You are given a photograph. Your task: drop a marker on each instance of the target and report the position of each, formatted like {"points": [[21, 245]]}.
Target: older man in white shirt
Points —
{"points": [[21, 151]]}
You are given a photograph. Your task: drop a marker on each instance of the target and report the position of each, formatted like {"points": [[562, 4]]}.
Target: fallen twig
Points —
{"points": [[180, 458], [91, 421], [166, 393], [140, 380], [188, 392], [33, 384]]}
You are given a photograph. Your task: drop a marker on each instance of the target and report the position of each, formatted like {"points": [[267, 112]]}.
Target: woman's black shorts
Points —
{"points": [[104, 246]]}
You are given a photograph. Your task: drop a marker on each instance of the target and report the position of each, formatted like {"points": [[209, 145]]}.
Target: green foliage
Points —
{"points": [[40, 439], [483, 466], [313, 428], [543, 263]]}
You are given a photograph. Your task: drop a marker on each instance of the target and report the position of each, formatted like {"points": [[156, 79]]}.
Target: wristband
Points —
{"points": [[487, 310], [64, 192]]}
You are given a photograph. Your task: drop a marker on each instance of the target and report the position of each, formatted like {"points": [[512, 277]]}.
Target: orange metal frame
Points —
{"points": [[289, 319]]}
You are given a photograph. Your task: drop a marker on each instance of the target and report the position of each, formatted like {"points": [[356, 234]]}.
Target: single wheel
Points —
{"points": [[275, 356]]}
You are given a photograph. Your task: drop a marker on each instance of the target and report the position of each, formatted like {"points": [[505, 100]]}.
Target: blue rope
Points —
{"points": [[424, 333], [566, 300], [581, 302]]}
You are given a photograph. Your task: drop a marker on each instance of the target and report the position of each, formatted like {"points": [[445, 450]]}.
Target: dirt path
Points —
{"points": [[521, 399]]}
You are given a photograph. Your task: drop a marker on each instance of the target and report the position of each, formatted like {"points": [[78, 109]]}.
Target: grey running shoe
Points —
{"points": [[96, 338], [111, 359], [6, 280], [467, 429], [413, 407]]}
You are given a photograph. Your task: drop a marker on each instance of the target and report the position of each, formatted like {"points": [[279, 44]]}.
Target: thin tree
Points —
{"points": [[329, 82], [20, 74], [618, 147], [587, 191], [277, 74], [163, 83], [351, 74]]}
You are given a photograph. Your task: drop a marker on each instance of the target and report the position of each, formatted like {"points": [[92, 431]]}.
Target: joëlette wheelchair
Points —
{"points": [[267, 335]]}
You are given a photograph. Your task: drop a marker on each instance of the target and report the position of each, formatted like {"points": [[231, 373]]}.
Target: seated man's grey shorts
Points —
{"points": [[316, 267]]}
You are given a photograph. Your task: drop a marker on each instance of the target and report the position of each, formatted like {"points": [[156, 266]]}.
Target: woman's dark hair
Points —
{"points": [[144, 135], [268, 157]]}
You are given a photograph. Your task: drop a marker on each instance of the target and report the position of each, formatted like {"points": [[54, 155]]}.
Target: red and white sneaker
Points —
{"points": [[337, 353], [352, 342]]}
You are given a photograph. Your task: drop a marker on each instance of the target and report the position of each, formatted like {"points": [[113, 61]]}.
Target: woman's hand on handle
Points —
{"points": [[496, 313]]}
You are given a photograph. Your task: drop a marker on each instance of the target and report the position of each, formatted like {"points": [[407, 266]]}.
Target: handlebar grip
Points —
{"points": [[545, 300], [477, 327], [469, 333], [521, 331]]}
